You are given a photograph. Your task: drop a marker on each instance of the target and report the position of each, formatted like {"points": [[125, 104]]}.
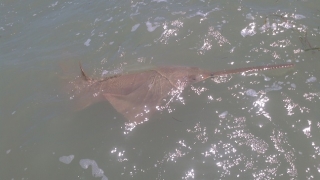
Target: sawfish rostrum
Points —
{"points": [[137, 95]]}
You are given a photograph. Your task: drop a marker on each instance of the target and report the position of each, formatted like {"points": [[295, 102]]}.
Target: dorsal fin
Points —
{"points": [[83, 74]]}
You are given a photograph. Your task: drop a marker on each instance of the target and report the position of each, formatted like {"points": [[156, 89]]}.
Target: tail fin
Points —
{"points": [[81, 90], [84, 76]]}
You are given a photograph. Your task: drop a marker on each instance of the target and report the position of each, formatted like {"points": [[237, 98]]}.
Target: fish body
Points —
{"points": [[139, 94]]}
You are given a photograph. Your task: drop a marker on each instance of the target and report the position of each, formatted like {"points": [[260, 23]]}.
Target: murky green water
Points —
{"points": [[249, 126]]}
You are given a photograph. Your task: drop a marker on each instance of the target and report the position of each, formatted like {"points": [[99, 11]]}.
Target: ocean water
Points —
{"points": [[262, 125]]}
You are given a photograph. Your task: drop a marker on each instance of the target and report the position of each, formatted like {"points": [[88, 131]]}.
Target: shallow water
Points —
{"points": [[251, 126]]}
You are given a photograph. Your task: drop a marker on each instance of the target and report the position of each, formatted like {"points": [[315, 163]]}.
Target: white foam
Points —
{"points": [[97, 20], [249, 16], [266, 78], [135, 27], [87, 43], [178, 12], [274, 87], [104, 73], [110, 19], [307, 131], [66, 159], [311, 79], [96, 171], [159, 18], [223, 115], [151, 27], [249, 30], [274, 26], [232, 49], [251, 92], [299, 16], [201, 13], [54, 4], [159, 1]]}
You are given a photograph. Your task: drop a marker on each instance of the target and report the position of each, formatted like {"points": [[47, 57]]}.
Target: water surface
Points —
{"points": [[248, 126]]}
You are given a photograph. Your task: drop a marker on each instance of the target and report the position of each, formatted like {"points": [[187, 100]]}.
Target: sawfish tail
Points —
{"points": [[88, 91], [252, 69], [81, 90], [83, 74]]}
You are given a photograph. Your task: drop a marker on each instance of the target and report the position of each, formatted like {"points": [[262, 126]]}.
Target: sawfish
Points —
{"points": [[137, 95]]}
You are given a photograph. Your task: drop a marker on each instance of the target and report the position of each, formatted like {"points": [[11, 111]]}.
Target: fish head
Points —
{"points": [[184, 76], [195, 74]]}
